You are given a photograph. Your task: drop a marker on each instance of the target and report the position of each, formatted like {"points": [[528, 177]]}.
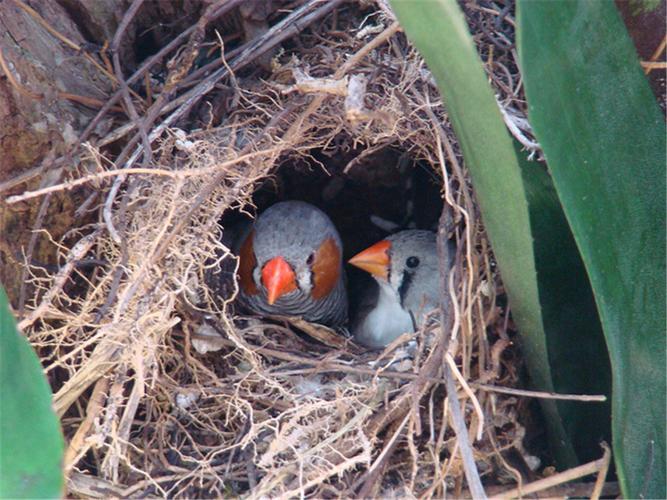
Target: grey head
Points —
{"points": [[406, 268], [414, 272], [291, 263]]}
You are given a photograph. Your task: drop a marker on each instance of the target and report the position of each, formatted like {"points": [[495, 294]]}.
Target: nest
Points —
{"points": [[164, 389]]}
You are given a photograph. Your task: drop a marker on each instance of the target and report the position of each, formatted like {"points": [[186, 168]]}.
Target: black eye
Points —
{"points": [[311, 259], [412, 262]]}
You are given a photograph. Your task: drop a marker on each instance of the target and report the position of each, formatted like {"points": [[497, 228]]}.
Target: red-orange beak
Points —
{"points": [[375, 259], [278, 278]]}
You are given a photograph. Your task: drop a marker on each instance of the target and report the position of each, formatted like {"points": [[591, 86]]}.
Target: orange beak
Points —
{"points": [[375, 259], [278, 278]]}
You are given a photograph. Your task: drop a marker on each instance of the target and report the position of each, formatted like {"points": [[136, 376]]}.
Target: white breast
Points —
{"points": [[385, 322]]}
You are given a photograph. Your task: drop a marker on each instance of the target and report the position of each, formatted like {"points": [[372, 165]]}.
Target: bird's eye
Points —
{"points": [[412, 262], [311, 259]]}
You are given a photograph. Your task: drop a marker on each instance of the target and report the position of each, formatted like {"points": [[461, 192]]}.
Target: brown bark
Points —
{"points": [[37, 124], [49, 91]]}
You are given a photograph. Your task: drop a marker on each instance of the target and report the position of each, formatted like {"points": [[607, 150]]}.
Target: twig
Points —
{"points": [[230, 72], [39, 219], [307, 84], [242, 56], [315, 104], [290, 26], [651, 65], [148, 64], [602, 475], [139, 123], [100, 362], [471, 395], [89, 102], [21, 178], [556, 479], [79, 444], [584, 398], [174, 174], [177, 71], [515, 130], [458, 422], [366, 49], [124, 88], [647, 65], [468, 212], [33, 13], [567, 490], [77, 252], [277, 34], [461, 431], [105, 353], [67, 186], [369, 479]]}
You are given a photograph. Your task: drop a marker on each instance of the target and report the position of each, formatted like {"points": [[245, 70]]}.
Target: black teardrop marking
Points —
{"points": [[406, 282]]}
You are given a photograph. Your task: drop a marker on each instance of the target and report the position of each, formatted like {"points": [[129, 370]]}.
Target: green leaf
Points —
{"points": [[575, 344], [528, 231], [31, 444], [604, 139]]}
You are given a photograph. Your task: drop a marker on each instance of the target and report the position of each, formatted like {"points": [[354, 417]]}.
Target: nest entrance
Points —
{"points": [[366, 196]]}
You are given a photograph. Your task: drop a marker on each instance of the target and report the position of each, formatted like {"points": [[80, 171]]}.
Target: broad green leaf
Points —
{"points": [[575, 343], [528, 231], [31, 443], [604, 139]]}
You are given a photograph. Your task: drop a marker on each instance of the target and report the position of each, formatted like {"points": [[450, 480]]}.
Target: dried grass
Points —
{"points": [[270, 413]]}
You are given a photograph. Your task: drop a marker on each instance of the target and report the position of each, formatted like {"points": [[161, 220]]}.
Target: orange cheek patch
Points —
{"points": [[326, 268], [247, 263]]}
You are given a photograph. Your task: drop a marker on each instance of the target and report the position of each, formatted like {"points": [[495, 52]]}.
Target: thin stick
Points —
{"points": [[556, 479], [468, 391], [602, 475], [648, 65], [446, 323], [184, 103], [39, 220], [461, 431], [79, 445], [124, 87], [174, 174], [661, 47], [297, 126], [584, 398], [366, 49], [651, 65], [371, 473], [77, 252], [567, 490]]}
